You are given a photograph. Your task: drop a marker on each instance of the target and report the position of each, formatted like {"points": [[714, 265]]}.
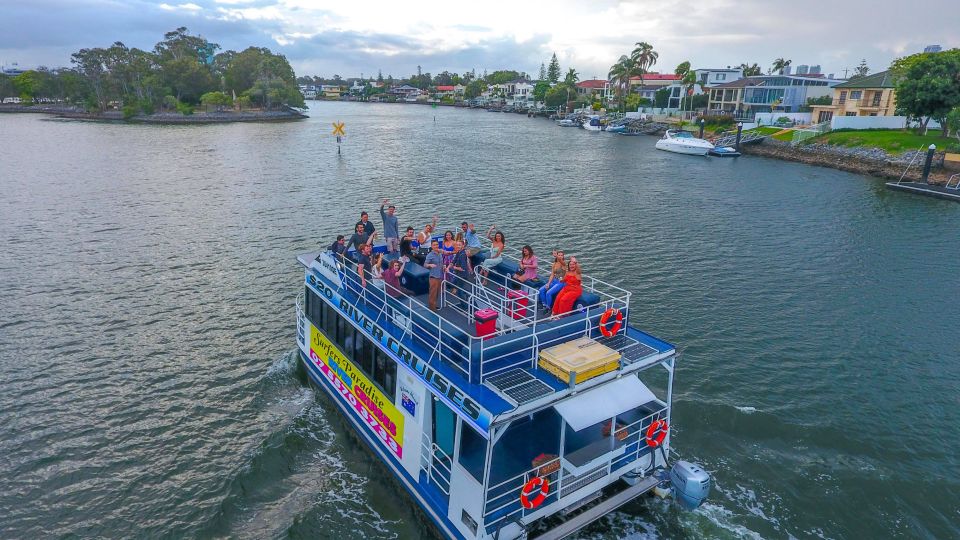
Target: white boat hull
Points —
{"points": [[671, 146]]}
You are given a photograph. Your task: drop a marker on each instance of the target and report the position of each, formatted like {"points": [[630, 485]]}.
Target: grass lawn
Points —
{"points": [[771, 131], [894, 141]]}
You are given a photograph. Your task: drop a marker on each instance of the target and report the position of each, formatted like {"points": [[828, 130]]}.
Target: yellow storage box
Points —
{"points": [[583, 357]]}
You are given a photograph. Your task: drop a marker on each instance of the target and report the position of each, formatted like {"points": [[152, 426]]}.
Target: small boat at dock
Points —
{"points": [[592, 123], [683, 142]]}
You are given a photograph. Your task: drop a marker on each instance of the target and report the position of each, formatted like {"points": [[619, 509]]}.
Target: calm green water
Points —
{"points": [[147, 329]]}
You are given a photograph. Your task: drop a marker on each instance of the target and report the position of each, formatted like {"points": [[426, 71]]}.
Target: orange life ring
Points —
{"points": [[605, 318], [657, 432], [536, 484]]}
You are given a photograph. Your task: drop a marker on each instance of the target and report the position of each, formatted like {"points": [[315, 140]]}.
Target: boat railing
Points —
{"points": [[435, 464], [628, 444], [602, 288], [518, 340], [405, 312]]}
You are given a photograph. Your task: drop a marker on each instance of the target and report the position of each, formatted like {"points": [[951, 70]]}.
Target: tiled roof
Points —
{"points": [[657, 77], [445, 88], [883, 79], [592, 83]]}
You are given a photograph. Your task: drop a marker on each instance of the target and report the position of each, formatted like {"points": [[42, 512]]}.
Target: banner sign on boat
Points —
{"points": [[374, 408], [328, 267], [455, 398]]}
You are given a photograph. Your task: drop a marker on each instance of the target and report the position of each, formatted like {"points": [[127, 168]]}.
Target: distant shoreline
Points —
{"points": [[222, 117]]}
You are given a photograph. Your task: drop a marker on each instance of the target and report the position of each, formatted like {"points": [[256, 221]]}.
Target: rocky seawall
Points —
{"points": [[869, 161], [212, 117]]}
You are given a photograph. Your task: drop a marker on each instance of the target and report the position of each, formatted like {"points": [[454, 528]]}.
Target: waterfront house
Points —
{"points": [[768, 93], [404, 91], [872, 95], [727, 98], [597, 89], [331, 91], [679, 94], [357, 88], [710, 77], [651, 83]]}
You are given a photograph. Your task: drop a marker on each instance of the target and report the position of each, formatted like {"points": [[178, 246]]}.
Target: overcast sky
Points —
{"points": [[350, 37]]}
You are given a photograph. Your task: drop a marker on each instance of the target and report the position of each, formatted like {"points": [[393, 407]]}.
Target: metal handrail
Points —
{"points": [[915, 155], [635, 435], [955, 187], [481, 367]]}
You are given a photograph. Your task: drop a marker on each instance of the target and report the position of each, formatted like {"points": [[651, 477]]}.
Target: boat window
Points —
{"points": [[313, 307], [341, 336], [364, 357], [473, 452], [330, 318], [349, 341], [384, 372]]}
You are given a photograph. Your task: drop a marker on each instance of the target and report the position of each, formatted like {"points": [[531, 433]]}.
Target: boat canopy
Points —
{"points": [[605, 402]]}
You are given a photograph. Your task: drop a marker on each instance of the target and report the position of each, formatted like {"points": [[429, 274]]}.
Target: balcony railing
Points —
{"points": [[868, 103]]}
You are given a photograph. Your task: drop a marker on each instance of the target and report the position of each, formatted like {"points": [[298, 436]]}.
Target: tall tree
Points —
{"points": [[644, 58], [553, 70], [91, 64], [619, 76], [780, 64], [751, 70], [860, 71], [543, 72], [928, 86], [571, 78]]}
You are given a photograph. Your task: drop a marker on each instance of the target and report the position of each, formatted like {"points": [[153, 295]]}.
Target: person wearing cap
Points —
{"points": [[391, 229]]}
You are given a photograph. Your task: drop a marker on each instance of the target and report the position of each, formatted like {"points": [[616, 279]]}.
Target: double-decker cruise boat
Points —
{"points": [[501, 420]]}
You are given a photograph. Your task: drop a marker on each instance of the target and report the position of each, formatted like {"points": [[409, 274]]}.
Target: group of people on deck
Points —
{"points": [[449, 260]]}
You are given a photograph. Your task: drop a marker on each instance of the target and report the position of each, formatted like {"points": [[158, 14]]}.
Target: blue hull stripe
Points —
{"points": [[436, 513]]}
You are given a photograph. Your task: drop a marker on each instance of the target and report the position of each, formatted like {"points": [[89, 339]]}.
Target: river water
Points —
{"points": [[147, 353]]}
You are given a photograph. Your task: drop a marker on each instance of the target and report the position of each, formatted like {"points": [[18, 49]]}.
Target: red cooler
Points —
{"points": [[516, 304], [486, 321]]}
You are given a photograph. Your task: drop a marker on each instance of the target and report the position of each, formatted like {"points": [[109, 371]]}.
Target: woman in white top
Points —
{"points": [[376, 271], [497, 243]]}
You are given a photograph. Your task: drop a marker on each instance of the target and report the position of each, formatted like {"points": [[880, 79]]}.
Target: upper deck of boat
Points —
{"points": [[500, 370]]}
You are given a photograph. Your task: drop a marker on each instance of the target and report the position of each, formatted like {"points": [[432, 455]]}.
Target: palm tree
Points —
{"points": [[688, 81], [644, 58], [619, 76], [780, 64], [572, 77], [750, 71]]}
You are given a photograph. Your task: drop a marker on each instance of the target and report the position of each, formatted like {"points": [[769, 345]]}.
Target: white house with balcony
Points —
{"points": [[710, 77]]}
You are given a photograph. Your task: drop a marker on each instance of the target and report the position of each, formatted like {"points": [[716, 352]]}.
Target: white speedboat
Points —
{"points": [[567, 122], [683, 142]]}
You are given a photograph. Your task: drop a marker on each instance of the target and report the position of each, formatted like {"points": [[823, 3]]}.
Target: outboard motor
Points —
{"points": [[691, 484]]}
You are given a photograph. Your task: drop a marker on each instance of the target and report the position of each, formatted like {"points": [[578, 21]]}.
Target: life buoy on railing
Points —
{"points": [[538, 485], [657, 432], [605, 318]]}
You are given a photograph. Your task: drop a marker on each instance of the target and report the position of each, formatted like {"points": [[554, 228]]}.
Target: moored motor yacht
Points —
{"points": [[683, 142]]}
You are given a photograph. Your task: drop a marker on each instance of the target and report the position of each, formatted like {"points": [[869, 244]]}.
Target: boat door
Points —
{"points": [[444, 432], [444, 427]]}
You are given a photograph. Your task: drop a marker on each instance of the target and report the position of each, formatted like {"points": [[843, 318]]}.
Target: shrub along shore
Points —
{"points": [[197, 117]]}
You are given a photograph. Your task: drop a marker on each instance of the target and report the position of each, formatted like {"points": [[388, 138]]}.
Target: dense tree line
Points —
{"points": [[181, 71]]}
